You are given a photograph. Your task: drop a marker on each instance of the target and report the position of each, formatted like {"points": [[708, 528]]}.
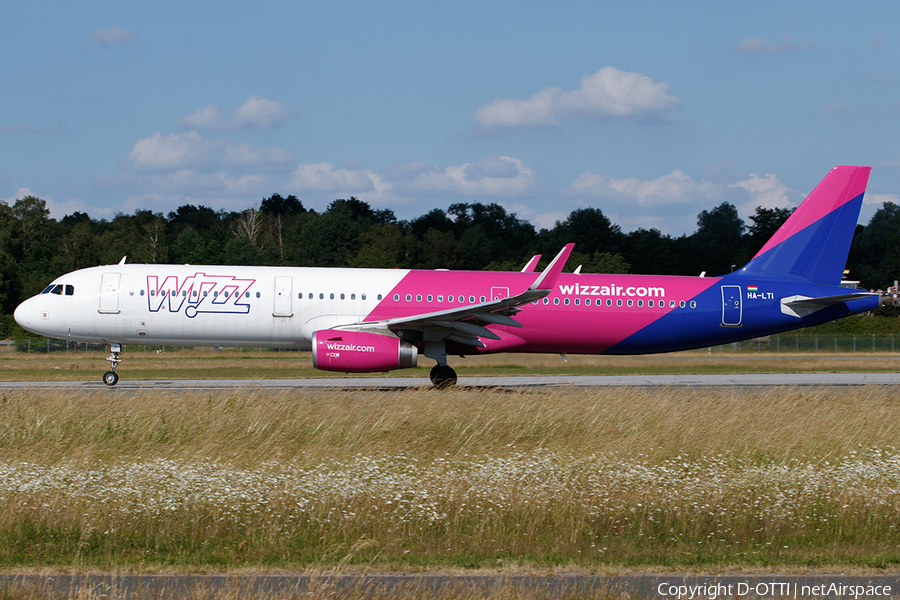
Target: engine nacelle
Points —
{"points": [[360, 351]]}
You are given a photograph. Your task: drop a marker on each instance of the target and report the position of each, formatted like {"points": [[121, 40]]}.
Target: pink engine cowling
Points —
{"points": [[360, 352]]}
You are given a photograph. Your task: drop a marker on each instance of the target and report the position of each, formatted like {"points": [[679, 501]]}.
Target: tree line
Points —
{"points": [[35, 249]]}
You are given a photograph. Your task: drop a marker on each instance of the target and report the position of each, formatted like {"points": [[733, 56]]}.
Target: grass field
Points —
{"points": [[471, 478]]}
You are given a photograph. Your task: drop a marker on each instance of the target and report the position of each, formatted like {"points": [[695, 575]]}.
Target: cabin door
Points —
{"points": [[109, 293], [732, 311], [283, 285]]}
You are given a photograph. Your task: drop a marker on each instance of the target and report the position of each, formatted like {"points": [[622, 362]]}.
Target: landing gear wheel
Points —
{"points": [[110, 378], [443, 377]]}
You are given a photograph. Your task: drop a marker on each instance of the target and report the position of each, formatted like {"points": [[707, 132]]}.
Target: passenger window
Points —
{"points": [[418, 297], [609, 301], [587, 301], [671, 304], [353, 296], [681, 304], [693, 304], [640, 303], [183, 293], [631, 303], [566, 302], [409, 297], [472, 299], [300, 296], [321, 296], [257, 295], [396, 297], [556, 301], [462, 298], [153, 293], [142, 292], [246, 294], [440, 297], [546, 300], [650, 303], [482, 299], [619, 302], [331, 296], [577, 302], [193, 293], [342, 296], [205, 294], [70, 290], [430, 298]]}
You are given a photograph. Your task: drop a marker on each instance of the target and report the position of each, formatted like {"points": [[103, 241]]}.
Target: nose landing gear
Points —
{"points": [[111, 377]]}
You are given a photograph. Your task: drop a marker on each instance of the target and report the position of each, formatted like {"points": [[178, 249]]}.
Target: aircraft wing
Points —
{"points": [[800, 306], [466, 324]]}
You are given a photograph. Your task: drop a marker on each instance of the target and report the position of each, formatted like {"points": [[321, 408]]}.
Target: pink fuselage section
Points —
{"points": [[584, 313]]}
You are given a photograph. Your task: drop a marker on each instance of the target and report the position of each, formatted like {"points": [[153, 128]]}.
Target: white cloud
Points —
{"points": [[761, 46], [548, 220], [113, 36], [767, 192], [608, 93], [256, 112], [323, 177], [536, 111], [495, 176], [190, 150], [880, 199], [20, 193], [674, 188]]}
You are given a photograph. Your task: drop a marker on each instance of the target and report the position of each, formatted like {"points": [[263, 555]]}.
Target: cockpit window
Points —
{"points": [[57, 289], [47, 289], [70, 290]]}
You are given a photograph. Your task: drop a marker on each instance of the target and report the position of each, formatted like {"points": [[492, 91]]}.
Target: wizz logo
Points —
{"points": [[199, 293]]}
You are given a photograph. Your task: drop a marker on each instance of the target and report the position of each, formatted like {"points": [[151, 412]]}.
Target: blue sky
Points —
{"points": [[650, 111]]}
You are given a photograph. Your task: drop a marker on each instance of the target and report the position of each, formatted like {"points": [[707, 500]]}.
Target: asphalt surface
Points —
{"points": [[548, 381]]}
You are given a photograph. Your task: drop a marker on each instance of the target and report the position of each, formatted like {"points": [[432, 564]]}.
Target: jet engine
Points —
{"points": [[360, 351]]}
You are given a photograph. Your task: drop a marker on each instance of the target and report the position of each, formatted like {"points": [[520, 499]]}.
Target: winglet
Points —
{"points": [[547, 279], [532, 264]]}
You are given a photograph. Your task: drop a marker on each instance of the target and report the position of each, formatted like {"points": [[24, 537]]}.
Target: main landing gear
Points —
{"points": [[111, 377], [443, 377]]}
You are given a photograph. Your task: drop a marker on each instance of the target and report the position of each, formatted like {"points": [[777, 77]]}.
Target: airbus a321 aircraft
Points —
{"points": [[373, 320]]}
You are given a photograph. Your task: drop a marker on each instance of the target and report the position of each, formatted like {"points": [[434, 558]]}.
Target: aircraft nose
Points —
{"points": [[25, 314]]}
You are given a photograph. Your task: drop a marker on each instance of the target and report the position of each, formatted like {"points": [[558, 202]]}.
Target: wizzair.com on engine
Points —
{"points": [[375, 320]]}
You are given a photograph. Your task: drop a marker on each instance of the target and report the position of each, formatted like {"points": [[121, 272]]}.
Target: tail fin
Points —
{"points": [[814, 242]]}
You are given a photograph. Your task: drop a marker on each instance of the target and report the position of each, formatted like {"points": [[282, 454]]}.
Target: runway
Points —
{"points": [[527, 382]]}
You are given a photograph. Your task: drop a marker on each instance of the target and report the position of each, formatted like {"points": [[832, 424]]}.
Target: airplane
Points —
{"points": [[377, 320]]}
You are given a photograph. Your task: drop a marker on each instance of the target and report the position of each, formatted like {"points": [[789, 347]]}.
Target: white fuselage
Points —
{"points": [[184, 304]]}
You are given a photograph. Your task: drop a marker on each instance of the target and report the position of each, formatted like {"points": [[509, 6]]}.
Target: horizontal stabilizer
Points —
{"points": [[800, 306]]}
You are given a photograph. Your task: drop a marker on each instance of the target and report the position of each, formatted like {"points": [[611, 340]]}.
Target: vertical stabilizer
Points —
{"points": [[814, 242]]}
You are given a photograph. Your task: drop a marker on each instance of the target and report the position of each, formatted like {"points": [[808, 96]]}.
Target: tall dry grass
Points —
{"points": [[466, 478]]}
